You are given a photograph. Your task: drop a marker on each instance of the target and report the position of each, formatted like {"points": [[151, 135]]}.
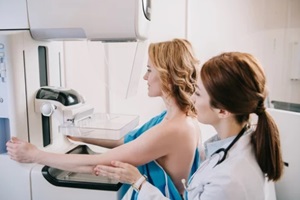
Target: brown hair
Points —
{"points": [[177, 66], [236, 82]]}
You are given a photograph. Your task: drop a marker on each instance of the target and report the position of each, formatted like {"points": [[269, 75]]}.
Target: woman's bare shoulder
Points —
{"points": [[178, 126], [170, 130]]}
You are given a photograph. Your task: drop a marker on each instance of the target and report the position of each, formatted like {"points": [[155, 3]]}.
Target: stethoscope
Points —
{"points": [[225, 150], [219, 151]]}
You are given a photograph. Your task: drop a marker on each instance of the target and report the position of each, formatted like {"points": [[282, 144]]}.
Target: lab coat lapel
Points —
{"points": [[200, 177]]}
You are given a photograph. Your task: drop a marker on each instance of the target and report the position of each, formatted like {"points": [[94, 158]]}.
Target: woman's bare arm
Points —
{"points": [[153, 144], [99, 142]]}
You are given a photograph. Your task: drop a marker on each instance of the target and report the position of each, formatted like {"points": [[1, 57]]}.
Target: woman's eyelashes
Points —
{"points": [[148, 69]]}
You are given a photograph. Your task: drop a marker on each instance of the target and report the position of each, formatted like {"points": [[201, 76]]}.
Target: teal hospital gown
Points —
{"points": [[154, 172]]}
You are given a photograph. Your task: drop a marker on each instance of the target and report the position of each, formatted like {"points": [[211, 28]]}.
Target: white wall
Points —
{"points": [[266, 28]]}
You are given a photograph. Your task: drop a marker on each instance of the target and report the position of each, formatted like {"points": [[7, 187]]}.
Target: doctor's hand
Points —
{"points": [[122, 172], [21, 151]]}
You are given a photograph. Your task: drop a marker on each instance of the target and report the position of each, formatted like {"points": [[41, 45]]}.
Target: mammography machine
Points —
{"points": [[35, 106]]}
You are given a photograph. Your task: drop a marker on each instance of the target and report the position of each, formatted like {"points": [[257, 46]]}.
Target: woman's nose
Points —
{"points": [[145, 77]]}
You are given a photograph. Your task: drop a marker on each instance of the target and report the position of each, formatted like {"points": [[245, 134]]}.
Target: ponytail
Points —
{"points": [[267, 146]]}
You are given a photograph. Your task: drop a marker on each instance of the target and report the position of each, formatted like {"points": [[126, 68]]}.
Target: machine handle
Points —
{"points": [[47, 109]]}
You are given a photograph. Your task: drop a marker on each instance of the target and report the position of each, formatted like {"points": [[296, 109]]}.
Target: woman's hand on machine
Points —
{"points": [[21, 151], [75, 138]]}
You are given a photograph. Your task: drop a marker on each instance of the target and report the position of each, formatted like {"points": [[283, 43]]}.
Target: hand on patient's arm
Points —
{"points": [[21, 151], [129, 174], [122, 172]]}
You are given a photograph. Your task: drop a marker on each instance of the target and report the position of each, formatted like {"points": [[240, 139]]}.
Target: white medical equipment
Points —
{"points": [[32, 57], [288, 123], [78, 119]]}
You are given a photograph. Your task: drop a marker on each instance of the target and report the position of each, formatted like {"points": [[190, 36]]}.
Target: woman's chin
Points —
{"points": [[151, 95]]}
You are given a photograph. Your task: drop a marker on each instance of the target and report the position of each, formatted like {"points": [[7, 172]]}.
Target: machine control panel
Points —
{"points": [[2, 63], [3, 84]]}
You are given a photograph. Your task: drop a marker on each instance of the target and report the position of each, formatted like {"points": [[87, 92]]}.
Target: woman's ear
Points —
{"points": [[223, 113]]}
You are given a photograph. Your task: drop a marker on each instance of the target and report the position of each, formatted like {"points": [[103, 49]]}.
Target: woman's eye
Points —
{"points": [[197, 93], [148, 70]]}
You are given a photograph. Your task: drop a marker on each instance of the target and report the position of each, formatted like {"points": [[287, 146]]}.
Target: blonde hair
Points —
{"points": [[177, 66]]}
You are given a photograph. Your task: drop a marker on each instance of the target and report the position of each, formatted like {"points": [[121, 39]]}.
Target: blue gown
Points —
{"points": [[155, 173]]}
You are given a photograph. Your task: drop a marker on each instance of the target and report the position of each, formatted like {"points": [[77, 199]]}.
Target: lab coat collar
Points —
{"points": [[214, 143]]}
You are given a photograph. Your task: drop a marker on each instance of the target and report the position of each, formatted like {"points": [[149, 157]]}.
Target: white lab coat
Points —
{"points": [[238, 177]]}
